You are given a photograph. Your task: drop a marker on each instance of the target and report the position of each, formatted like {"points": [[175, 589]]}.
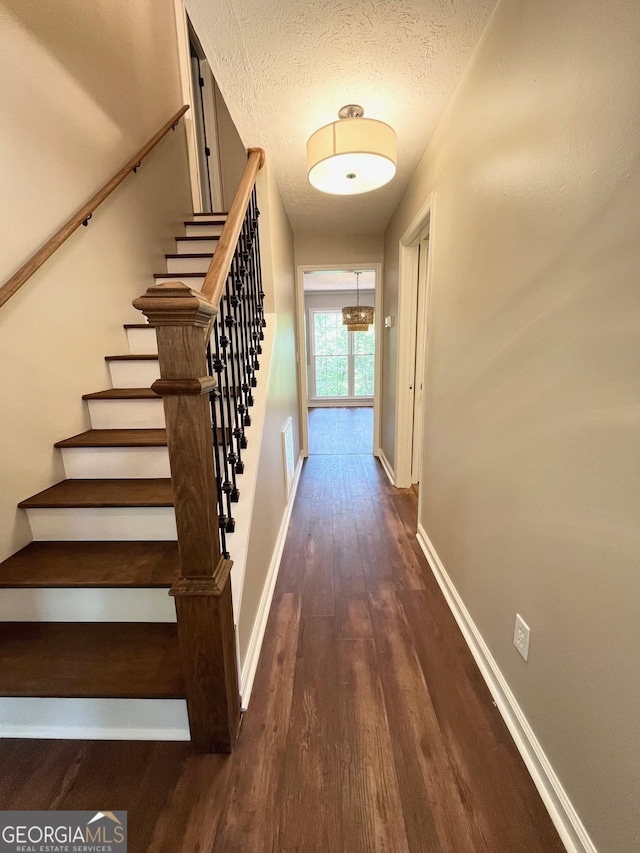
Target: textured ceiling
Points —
{"points": [[285, 67]]}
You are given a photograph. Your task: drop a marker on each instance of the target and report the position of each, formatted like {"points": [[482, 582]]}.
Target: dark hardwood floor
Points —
{"points": [[370, 729], [341, 430]]}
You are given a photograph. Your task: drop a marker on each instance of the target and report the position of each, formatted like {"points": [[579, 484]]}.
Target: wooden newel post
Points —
{"points": [[183, 319]]}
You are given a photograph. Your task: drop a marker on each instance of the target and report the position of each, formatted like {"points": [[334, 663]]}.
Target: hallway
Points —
{"points": [[370, 728], [385, 737]]}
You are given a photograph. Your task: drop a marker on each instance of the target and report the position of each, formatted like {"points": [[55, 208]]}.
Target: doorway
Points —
{"points": [[201, 121], [338, 369], [420, 361], [205, 126], [416, 256]]}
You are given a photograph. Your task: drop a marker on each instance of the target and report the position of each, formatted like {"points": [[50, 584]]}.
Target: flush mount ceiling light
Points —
{"points": [[353, 155], [357, 317]]}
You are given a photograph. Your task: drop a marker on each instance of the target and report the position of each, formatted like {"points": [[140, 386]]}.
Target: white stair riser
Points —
{"points": [[200, 247], [134, 374], [95, 524], [86, 605], [126, 414], [204, 230], [214, 215], [193, 281], [188, 265], [142, 341], [94, 719], [89, 463]]}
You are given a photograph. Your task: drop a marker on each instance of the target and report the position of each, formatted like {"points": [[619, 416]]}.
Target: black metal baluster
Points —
{"points": [[236, 335], [251, 296], [242, 280], [235, 455], [240, 275], [224, 431], [218, 442], [232, 357], [257, 333], [229, 487], [259, 293], [256, 247]]}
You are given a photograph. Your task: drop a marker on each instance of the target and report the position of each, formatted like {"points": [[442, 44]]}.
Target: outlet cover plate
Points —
{"points": [[521, 636]]}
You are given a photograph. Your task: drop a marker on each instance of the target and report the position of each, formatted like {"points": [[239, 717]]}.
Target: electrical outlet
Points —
{"points": [[521, 636]]}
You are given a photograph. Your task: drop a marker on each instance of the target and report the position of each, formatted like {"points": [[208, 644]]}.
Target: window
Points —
{"points": [[343, 362]]}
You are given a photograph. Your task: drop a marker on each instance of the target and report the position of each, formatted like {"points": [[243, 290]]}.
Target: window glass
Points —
{"points": [[344, 361]]}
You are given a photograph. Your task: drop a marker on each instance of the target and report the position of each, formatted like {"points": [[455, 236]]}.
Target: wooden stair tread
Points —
{"points": [[179, 274], [123, 394], [132, 357], [117, 438], [138, 326], [191, 255], [92, 564], [79, 494], [197, 238], [132, 660]]}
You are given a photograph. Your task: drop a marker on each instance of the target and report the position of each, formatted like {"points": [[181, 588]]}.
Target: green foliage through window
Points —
{"points": [[344, 361]]}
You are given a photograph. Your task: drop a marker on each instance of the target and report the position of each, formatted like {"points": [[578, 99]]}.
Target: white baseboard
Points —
{"points": [[388, 470], [572, 832], [257, 635]]}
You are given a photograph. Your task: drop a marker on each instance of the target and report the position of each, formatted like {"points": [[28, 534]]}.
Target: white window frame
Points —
{"points": [[349, 399]]}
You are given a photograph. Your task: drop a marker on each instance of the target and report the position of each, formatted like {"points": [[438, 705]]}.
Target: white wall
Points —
{"points": [[83, 86], [530, 493], [276, 246]]}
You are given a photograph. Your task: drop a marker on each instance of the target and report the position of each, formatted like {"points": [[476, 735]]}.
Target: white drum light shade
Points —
{"points": [[351, 156]]}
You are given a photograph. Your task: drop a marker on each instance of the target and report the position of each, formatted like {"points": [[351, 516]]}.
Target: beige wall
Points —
{"points": [[233, 154], [324, 249], [276, 246], [83, 86], [531, 488], [315, 300]]}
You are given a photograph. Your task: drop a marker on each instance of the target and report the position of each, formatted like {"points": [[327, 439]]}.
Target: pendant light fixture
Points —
{"points": [[353, 155], [357, 318]]}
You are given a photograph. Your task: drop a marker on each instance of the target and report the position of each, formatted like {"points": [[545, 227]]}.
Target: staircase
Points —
{"points": [[85, 607]]}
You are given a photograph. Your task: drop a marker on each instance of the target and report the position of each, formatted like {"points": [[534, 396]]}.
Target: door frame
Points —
{"points": [[210, 119], [420, 362], [189, 97], [301, 348], [421, 225]]}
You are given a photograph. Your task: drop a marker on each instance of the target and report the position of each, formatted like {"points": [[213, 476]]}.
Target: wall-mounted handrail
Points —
{"points": [[34, 263], [216, 277]]}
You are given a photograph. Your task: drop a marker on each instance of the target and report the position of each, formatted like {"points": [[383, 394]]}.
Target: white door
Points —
{"points": [[420, 360]]}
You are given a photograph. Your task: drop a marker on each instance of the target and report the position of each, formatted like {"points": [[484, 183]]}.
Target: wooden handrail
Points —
{"points": [[34, 263], [216, 276]]}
